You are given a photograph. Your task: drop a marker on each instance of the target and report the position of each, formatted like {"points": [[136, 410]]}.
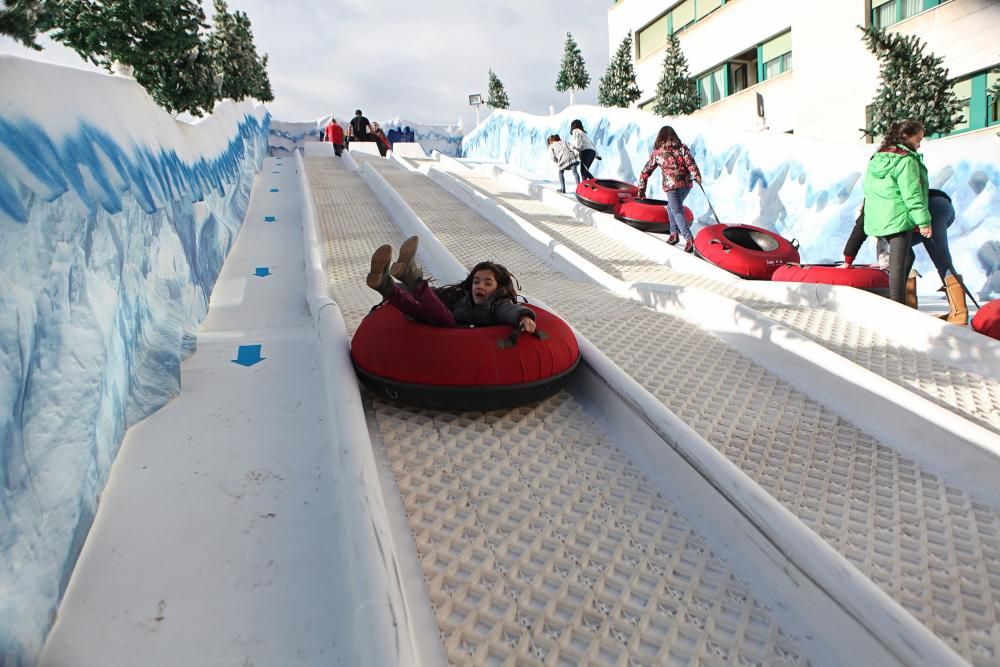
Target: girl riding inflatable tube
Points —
{"points": [[467, 346]]}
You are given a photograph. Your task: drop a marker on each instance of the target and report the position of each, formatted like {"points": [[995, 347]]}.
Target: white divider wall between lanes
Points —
{"points": [[960, 451], [847, 619], [957, 346], [389, 629]]}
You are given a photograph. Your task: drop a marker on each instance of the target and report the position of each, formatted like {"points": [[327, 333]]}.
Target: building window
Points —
{"points": [[682, 15], [992, 101], [705, 7], [963, 91], [887, 12], [652, 37], [743, 71], [776, 56], [711, 86], [979, 106]]}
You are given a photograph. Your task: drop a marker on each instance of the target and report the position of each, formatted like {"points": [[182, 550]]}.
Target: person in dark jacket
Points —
{"points": [[487, 297], [680, 172], [359, 129], [896, 196]]}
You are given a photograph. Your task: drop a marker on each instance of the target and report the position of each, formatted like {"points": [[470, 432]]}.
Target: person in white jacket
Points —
{"points": [[565, 159], [583, 147]]}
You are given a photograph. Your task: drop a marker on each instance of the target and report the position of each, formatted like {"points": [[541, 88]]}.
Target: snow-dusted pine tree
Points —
{"points": [[618, 87], [160, 39], [914, 84], [573, 72], [677, 91], [26, 19], [234, 56], [496, 96]]}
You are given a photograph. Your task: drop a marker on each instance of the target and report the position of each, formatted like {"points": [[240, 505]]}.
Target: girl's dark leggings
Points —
{"points": [[900, 262], [586, 159]]}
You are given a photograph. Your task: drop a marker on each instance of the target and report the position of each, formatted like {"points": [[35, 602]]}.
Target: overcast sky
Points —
{"points": [[418, 59]]}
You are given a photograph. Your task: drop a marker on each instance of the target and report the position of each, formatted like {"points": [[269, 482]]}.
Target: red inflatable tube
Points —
{"points": [[747, 251], [480, 368], [987, 320], [604, 194], [862, 276], [648, 215]]}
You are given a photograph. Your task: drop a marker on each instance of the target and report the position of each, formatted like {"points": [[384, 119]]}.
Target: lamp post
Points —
{"points": [[474, 101]]}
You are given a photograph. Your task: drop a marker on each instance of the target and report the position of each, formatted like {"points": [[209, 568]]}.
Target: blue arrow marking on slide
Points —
{"points": [[248, 355], [269, 218], [274, 189], [262, 272]]}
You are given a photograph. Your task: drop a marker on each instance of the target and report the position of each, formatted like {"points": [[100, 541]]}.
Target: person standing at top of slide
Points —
{"points": [[359, 128]]}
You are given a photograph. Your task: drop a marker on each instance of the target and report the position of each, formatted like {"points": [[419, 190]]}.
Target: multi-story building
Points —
{"points": [[803, 62]]}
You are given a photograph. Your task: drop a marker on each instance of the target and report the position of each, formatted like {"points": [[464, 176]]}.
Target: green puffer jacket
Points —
{"points": [[896, 192]]}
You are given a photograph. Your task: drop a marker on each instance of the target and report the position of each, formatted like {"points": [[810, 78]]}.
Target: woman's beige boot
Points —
{"points": [[958, 310]]}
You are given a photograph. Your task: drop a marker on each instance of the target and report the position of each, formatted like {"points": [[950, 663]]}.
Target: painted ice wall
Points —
{"points": [[800, 188], [286, 136], [445, 139], [115, 220]]}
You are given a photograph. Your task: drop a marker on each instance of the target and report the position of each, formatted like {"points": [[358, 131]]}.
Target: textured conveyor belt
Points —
{"points": [[929, 545], [973, 396], [539, 541]]}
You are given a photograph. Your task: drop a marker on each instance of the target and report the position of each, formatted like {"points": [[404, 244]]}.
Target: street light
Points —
{"points": [[474, 101]]}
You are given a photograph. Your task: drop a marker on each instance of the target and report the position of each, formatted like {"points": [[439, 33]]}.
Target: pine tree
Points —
{"points": [[573, 74], [618, 87], [160, 39], [914, 85], [234, 56], [677, 91], [496, 96], [24, 20]]}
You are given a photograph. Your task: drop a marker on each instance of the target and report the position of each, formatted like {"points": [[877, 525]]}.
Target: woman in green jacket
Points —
{"points": [[896, 199]]}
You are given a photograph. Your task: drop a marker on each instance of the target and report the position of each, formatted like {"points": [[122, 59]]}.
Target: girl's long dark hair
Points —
{"points": [[506, 290], [900, 130], [666, 136], [577, 125]]}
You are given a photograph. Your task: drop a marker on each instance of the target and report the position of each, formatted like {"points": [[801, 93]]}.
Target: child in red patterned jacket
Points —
{"points": [[679, 173]]}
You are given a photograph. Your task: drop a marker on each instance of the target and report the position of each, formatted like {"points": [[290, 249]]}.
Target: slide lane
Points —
{"points": [[547, 533]]}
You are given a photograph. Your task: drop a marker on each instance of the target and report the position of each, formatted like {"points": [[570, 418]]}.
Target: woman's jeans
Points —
{"points": [[675, 209], [562, 178], [422, 305], [942, 215], [587, 157]]}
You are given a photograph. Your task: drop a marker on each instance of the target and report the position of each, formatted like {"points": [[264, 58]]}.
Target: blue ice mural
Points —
{"points": [[800, 188], [115, 220]]}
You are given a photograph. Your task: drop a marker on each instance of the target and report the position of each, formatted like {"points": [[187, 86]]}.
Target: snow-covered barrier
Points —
{"points": [[115, 220], [285, 136], [446, 139], [800, 188]]}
